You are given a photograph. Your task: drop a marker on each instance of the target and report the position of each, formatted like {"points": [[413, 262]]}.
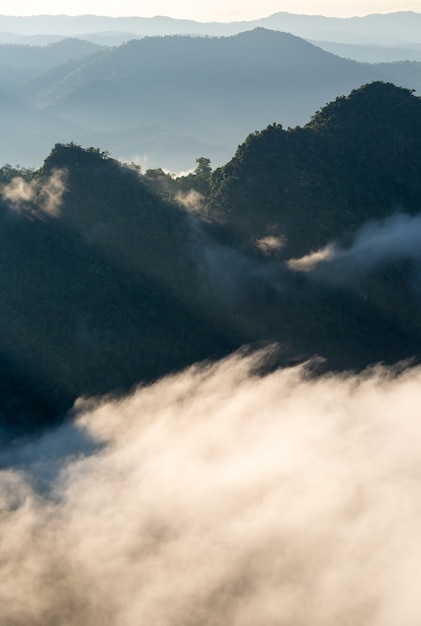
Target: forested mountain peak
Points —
{"points": [[73, 155], [359, 158], [373, 104], [111, 284]]}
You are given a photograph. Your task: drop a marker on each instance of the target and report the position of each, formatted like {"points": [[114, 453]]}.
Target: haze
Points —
{"points": [[218, 497], [219, 10], [210, 381]]}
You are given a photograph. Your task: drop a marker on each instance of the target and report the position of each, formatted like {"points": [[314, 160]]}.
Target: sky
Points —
{"points": [[221, 10]]}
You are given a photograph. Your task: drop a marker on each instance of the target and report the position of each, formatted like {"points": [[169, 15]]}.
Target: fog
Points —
{"points": [[192, 200], [218, 496], [238, 277], [377, 242], [43, 195]]}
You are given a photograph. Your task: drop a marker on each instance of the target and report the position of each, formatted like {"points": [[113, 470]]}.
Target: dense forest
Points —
{"points": [[112, 276]]}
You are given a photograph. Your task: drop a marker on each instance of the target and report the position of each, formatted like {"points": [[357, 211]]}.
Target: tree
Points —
{"points": [[202, 175]]}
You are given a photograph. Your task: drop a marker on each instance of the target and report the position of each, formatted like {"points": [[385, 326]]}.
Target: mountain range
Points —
{"points": [[389, 28], [20, 62], [164, 101], [308, 237]]}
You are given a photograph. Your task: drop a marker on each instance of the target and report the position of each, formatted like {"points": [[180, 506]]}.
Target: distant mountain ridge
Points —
{"points": [[203, 93], [164, 101], [371, 53], [20, 62], [397, 27]]}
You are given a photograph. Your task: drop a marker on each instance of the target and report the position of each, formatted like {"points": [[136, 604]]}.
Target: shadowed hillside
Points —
{"points": [[357, 159], [309, 238], [95, 272]]}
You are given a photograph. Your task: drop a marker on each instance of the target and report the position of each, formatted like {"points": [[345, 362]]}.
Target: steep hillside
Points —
{"points": [[98, 285], [358, 158], [337, 203], [309, 238]]}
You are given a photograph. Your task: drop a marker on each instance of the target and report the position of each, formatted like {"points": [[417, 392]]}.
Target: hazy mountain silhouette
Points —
{"points": [[407, 73], [367, 53], [202, 92], [390, 28], [23, 61], [165, 101]]}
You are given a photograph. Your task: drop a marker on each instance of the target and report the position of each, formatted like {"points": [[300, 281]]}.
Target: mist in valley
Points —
{"points": [[210, 382], [217, 494]]}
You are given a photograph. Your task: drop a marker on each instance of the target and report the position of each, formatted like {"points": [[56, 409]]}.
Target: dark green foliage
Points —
{"points": [[123, 285], [202, 175], [8, 172], [359, 158], [160, 183], [103, 296]]}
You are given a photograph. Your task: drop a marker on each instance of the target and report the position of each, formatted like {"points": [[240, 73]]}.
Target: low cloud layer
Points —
{"points": [[41, 195], [218, 497], [398, 237]]}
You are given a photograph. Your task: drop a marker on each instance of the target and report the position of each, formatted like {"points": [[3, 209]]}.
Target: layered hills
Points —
{"points": [[163, 101], [403, 26], [20, 62]]}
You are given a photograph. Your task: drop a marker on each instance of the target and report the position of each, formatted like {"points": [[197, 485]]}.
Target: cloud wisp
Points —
{"points": [[397, 237], [271, 245], [217, 496], [40, 196]]}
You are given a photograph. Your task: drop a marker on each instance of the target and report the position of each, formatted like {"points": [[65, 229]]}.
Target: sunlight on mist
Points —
{"points": [[39, 196], [216, 496], [375, 243]]}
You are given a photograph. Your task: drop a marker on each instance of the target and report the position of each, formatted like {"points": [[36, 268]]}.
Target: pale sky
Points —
{"points": [[221, 10]]}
